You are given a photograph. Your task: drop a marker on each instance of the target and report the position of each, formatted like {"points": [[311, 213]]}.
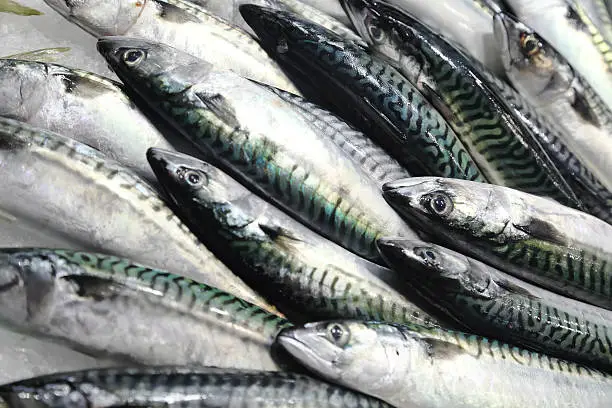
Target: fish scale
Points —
{"points": [[492, 303], [504, 150], [397, 115], [372, 158], [182, 387]]}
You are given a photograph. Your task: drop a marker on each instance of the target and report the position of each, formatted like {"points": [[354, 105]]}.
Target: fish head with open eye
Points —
{"points": [[451, 209], [442, 272], [362, 355], [100, 17], [533, 65], [155, 71]]}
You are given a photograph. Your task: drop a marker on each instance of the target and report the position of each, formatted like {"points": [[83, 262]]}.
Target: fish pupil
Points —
{"points": [[336, 332], [193, 178], [132, 56], [439, 203]]}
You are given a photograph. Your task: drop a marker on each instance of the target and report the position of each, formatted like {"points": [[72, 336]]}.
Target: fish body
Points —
{"points": [[465, 23], [175, 387], [228, 10], [372, 159], [158, 318], [83, 106], [534, 238], [180, 24], [367, 92], [495, 304], [595, 196], [292, 265], [551, 84], [411, 366], [567, 27], [259, 139], [72, 189], [504, 150]]}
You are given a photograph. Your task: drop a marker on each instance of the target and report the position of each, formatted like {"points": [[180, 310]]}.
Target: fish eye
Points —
{"points": [[193, 178], [337, 334], [529, 45], [133, 57], [440, 204]]}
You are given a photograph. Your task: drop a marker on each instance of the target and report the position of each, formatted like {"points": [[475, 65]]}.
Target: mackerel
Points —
{"points": [[157, 317], [495, 304], [83, 106], [258, 138], [597, 199], [180, 387], [367, 92], [567, 27], [372, 159], [550, 83], [297, 269], [534, 238], [181, 24], [97, 204], [504, 150], [412, 366]]}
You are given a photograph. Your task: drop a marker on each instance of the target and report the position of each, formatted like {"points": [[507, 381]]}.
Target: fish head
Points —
{"points": [[450, 207], [151, 69], [532, 65], [347, 352], [377, 28], [100, 17], [436, 268]]}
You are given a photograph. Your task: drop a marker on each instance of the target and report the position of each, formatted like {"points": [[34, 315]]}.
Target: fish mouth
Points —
{"points": [[395, 251], [163, 163], [501, 32], [356, 10], [304, 353]]}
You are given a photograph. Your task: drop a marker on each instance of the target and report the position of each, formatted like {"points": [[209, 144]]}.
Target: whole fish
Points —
{"points": [[597, 199], [372, 159], [566, 26], [157, 318], [84, 106], [534, 238], [180, 387], [412, 366], [494, 304], [465, 23], [504, 150], [258, 138], [228, 10], [181, 24], [537, 71], [98, 204], [300, 271], [367, 92]]}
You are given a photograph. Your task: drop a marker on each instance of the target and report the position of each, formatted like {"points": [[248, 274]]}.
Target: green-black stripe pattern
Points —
{"points": [[505, 151], [183, 387]]}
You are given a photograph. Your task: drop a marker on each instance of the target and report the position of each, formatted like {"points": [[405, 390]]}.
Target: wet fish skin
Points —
{"points": [[158, 318], [534, 238], [181, 24], [228, 10], [181, 387], [505, 151], [411, 366], [100, 205], [300, 271], [253, 135], [596, 198], [551, 84], [568, 28], [365, 91], [86, 107], [373, 159], [495, 304]]}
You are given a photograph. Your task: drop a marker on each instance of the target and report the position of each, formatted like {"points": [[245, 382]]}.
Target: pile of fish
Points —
{"points": [[272, 203]]}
